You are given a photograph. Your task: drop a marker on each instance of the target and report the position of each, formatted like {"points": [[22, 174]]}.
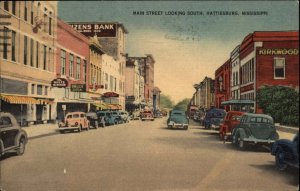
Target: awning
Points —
{"points": [[101, 105], [18, 99], [44, 101], [114, 106], [238, 102]]}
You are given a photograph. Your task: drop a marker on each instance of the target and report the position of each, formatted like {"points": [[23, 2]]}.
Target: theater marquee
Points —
{"points": [[98, 29]]}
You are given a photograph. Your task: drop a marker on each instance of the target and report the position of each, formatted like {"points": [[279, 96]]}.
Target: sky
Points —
{"points": [[186, 48]]}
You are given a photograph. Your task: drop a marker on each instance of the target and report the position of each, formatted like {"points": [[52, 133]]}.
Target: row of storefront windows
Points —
{"points": [[37, 89], [247, 72]]}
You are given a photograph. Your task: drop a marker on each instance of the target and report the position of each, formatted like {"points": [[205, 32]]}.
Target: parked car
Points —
{"points": [[12, 137], [178, 119], [108, 117], [231, 119], [135, 115], [117, 116], [254, 129], [74, 121], [94, 120], [286, 152], [147, 115], [124, 116], [213, 118]]}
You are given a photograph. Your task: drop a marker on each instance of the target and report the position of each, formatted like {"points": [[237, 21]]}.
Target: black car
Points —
{"points": [[12, 137], [286, 152]]}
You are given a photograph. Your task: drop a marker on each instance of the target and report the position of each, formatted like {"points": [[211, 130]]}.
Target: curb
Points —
{"points": [[293, 130]]}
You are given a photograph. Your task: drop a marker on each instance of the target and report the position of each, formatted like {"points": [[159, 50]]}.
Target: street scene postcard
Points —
{"points": [[149, 95]]}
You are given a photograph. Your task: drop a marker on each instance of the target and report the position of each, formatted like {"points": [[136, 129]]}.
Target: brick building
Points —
{"points": [[72, 64], [222, 84], [268, 58]]}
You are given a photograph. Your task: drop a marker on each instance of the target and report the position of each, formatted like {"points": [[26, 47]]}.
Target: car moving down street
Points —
{"points": [[178, 119]]}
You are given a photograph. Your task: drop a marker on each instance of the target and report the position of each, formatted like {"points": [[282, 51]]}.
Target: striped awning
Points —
{"points": [[12, 99]]}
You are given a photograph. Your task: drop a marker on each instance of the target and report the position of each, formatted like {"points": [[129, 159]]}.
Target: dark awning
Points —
{"points": [[238, 102]]}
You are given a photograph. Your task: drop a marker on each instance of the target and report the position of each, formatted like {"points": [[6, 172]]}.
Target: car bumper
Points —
{"points": [[177, 125], [68, 128], [258, 141], [147, 118], [215, 127]]}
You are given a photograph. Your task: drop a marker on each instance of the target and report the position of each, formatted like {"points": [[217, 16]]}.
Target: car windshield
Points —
{"points": [[178, 113], [260, 120], [147, 111], [75, 115]]}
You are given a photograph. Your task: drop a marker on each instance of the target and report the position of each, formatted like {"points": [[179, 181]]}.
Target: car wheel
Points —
{"points": [[62, 131], [279, 159], [22, 145], [186, 128]]}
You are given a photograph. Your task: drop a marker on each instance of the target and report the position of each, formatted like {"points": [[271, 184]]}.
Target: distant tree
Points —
{"points": [[166, 101], [182, 105], [282, 103]]}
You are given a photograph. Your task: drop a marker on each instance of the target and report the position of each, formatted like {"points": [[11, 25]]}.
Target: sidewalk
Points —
{"points": [[36, 131], [40, 130]]}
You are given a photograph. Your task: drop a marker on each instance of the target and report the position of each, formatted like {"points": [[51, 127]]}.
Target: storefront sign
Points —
{"points": [[59, 83], [247, 88], [110, 94], [278, 51], [98, 29], [78, 88]]}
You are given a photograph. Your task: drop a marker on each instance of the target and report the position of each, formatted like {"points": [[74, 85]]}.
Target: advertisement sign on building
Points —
{"points": [[98, 29], [78, 88], [59, 83]]}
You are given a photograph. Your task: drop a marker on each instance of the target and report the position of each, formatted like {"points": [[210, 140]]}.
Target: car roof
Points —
{"points": [[258, 115]]}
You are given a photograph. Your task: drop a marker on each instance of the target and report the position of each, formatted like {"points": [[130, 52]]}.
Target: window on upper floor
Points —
{"points": [[279, 68], [6, 5], [63, 62]]}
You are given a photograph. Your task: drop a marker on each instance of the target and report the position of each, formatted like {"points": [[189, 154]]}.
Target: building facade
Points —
{"points": [[28, 60], [222, 84], [72, 64], [268, 58], [204, 95]]}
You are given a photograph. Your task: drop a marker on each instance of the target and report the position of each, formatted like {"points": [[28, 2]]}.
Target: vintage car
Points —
{"points": [[94, 120], [286, 152], [231, 119], [213, 118], [147, 115], [124, 116], [254, 129], [12, 137], [135, 115], [74, 121], [117, 116], [109, 118], [178, 119]]}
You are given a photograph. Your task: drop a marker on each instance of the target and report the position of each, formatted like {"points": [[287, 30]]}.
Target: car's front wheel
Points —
{"points": [[22, 146], [279, 158]]}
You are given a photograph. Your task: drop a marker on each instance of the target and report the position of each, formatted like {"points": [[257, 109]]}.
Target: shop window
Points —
{"points": [[39, 90], [279, 68], [50, 25], [84, 70]]}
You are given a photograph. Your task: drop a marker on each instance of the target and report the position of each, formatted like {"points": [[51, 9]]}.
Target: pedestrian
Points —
{"points": [[103, 121]]}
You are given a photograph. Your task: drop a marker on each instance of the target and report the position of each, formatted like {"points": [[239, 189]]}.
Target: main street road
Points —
{"points": [[141, 156]]}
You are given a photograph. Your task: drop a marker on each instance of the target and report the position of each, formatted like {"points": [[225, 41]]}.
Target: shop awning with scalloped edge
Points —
{"points": [[12, 99]]}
